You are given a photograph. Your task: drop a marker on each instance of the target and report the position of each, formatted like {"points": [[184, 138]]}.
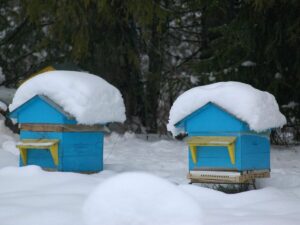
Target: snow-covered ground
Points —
{"points": [[31, 196]]}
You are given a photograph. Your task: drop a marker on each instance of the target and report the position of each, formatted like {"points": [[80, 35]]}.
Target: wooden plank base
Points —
{"points": [[223, 178], [63, 127]]}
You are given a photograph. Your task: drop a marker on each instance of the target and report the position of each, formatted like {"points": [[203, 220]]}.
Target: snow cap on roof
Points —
{"points": [[257, 108], [87, 97]]}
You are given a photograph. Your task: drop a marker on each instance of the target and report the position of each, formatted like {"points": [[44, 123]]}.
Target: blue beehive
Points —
{"points": [[52, 138], [64, 131], [219, 141], [251, 149], [228, 126]]}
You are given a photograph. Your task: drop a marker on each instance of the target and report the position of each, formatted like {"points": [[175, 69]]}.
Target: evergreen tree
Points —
{"points": [[154, 50], [107, 38], [256, 42]]}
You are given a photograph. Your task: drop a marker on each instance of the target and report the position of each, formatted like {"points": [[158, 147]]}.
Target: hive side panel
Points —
{"points": [[83, 151], [238, 152], [255, 152]]}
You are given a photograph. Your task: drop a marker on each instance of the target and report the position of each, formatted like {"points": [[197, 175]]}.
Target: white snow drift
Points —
{"points": [[87, 97], [3, 106], [258, 108], [140, 199], [30, 196]]}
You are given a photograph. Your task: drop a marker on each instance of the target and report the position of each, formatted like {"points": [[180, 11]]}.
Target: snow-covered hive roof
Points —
{"points": [[87, 97], [257, 108]]}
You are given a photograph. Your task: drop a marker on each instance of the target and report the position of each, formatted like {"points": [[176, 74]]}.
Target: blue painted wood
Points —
{"points": [[216, 157], [252, 149], [40, 110], [78, 151], [211, 157], [252, 152], [255, 152], [39, 157], [211, 118], [82, 151]]}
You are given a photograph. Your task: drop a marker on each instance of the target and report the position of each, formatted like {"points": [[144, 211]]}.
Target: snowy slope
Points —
{"points": [[3, 106], [87, 97], [30, 196], [258, 108]]}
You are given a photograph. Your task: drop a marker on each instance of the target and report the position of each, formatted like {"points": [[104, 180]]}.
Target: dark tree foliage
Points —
{"points": [[104, 37], [256, 42], [153, 50]]}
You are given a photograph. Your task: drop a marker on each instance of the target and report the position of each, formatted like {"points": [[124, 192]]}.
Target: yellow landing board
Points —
{"points": [[50, 144], [200, 141]]}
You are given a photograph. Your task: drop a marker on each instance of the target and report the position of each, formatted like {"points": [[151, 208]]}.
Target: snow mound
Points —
{"points": [[7, 139], [87, 97], [140, 199], [258, 108], [3, 106]]}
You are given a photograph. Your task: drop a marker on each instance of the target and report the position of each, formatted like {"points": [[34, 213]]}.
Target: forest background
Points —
{"points": [[153, 50]]}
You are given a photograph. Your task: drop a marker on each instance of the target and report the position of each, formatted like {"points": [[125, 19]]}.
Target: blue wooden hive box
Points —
{"points": [[52, 139], [219, 141]]}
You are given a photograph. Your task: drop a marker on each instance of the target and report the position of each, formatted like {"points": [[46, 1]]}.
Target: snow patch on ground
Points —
{"points": [[8, 149], [3, 106], [258, 207], [29, 195], [140, 199], [258, 108], [87, 97]]}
